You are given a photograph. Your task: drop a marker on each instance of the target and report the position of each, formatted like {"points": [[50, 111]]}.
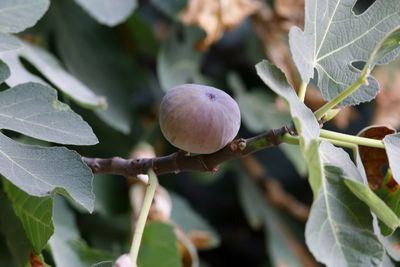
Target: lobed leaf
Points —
{"points": [[334, 38], [33, 109], [39, 171], [109, 12], [51, 68], [35, 214]]}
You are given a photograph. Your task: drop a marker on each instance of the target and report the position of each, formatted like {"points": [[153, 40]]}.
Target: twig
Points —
{"points": [[180, 161]]}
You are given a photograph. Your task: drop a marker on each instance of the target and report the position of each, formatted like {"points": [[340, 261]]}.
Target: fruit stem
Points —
{"points": [[144, 212], [343, 95], [302, 91], [339, 139], [362, 141]]}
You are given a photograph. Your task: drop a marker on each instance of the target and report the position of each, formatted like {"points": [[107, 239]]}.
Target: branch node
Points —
{"points": [[242, 144]]}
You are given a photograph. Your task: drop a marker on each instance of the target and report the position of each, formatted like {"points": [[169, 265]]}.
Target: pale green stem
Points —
{"points": [[362, 141], [144, 212], [294, 140], [302, 91], [343, 95]]}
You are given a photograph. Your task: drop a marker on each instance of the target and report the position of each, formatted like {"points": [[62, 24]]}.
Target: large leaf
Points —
{"points": [[35, 214], [334, 38], [38, 171], [17, 15], [51, 68], [109, 12], [98, 60], [158, 247], [340, 224], [33, 109], [11, 229]]}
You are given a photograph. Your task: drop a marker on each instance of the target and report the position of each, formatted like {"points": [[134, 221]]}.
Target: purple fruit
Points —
{"points": [[198, 118]]}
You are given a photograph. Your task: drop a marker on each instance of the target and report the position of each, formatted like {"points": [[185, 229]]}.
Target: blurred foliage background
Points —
{"points": [[249, 213]]}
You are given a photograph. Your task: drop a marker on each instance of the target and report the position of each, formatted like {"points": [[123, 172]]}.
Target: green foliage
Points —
{"points": [[23, 14], [118, 74], [51, 68], [109, 12], [35, 214], [319, 46], [158, 247]]}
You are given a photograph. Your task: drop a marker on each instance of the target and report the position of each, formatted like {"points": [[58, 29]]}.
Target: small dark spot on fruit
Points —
{"points": [[210, 96]]}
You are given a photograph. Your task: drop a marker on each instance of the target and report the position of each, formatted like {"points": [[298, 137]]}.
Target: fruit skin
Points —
{"points": [[199, 119]]}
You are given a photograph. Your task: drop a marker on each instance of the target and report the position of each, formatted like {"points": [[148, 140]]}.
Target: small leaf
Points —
{"points": [[11, 229], [35, 214], [17, 15], [51, 68], [109, 12], [158, 247], [33, 109], [319, 46], [38, 171]]}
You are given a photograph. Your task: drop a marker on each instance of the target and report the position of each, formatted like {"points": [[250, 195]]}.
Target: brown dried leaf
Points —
{"points": [[375, 160], [217, 16]]}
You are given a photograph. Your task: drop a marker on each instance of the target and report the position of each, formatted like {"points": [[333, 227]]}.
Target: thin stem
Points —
{"points": [[302, 91], [295, 140], [343, 95], [352, 139], [144, 212]]}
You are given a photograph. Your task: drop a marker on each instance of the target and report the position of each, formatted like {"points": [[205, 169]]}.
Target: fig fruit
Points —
{"points": [[198, 118]]}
